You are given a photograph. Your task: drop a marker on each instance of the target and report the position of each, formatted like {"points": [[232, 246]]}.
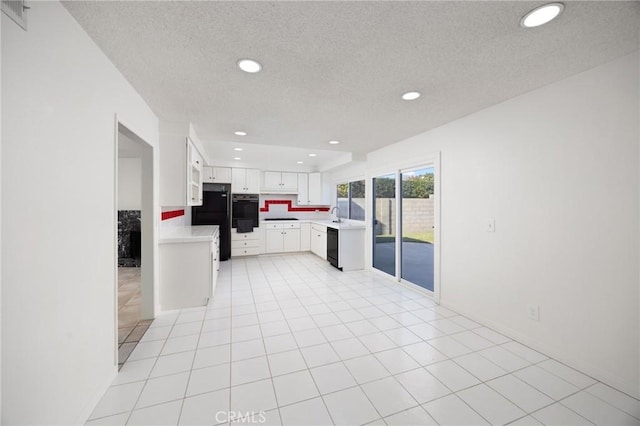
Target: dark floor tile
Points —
{"points": [[137, 333], [125, 350], [123, 333]]}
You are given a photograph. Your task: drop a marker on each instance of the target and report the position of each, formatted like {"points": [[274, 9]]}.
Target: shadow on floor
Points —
{"points": [[417, 261]]}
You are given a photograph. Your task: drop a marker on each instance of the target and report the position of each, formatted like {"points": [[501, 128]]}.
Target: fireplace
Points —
{"points": [[129, 238]]}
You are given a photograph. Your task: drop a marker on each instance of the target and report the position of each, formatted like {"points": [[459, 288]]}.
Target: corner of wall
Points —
{"points": [[1, 418]]}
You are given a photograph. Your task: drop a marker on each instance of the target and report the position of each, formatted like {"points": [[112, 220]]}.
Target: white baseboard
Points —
{"points": [[96, 395], [620, 383]]}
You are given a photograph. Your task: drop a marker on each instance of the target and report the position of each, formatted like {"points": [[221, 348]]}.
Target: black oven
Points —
{"points": [[244, 206]]}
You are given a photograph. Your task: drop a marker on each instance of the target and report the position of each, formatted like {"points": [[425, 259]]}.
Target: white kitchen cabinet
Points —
{"points": [[280, 182], [274, 241], [315, 189], [245, 181], [217, 174], [246, 243], [319, 240], [282, 237], [291, 240], [303, 189], [305, 236], [189, 262], [310, 189], [194, 175], [215, 262]]}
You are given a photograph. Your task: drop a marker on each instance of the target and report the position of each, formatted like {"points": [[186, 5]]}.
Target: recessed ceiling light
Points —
{"points": [[312, 155], [240, 133], [541, 15], [237, 158], [334, 142], [249, 65], [299, 162], [237, 149], [410, 96]]}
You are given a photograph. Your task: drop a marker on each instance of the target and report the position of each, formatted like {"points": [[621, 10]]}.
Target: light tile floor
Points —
{"points": [[130, 327], [297, 342]]}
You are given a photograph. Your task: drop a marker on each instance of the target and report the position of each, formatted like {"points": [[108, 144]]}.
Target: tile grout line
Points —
{"points": [[294, 280]]}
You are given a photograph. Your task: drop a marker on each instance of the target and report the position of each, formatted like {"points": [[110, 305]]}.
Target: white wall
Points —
{"points": [[558, 170], [129, 184], [0, 231], [60, 97]]}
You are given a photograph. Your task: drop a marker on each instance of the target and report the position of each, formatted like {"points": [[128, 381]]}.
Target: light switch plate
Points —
{"points": [[491, 225]]}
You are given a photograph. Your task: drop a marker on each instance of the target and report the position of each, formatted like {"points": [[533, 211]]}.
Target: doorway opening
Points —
{"points": [[134, 210], [405, 237]]}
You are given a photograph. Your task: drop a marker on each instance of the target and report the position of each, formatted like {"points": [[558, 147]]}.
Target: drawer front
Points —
{"points": [[319, 228], [244, 236], [245, 244], [274, 226], [249, 251], [291, 226]]}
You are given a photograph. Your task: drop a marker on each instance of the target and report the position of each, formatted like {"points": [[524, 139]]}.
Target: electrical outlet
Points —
{"points": [[533, 312], [491, 225]]}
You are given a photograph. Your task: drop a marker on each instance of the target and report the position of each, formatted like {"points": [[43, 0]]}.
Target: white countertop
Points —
{"points": [[188, 234], [345, 225]]}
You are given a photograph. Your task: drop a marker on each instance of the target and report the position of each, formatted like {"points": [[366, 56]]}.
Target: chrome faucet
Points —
{"points": [[337, 214]]}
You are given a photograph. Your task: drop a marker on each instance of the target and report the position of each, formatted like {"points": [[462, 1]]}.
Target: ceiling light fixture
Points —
{"points": [[541, 15], [237, 158], [312, 155], [249, 65], [237, 149], [299, 162], [410, 96], [239, 133], [334, 142]]}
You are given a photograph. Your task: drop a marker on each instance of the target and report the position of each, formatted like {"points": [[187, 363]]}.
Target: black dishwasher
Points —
{"points": [[332, 246]]}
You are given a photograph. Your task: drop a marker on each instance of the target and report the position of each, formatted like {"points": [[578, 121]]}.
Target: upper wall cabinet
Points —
{"points": [[280, 182], [194, 175], [181, 165], [217, 174], [303, 189], [315, 190], [245, 181], [310, 190]]}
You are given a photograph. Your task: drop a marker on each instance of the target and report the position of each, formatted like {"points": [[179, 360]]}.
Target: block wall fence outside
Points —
{"points": [[417, 215]]}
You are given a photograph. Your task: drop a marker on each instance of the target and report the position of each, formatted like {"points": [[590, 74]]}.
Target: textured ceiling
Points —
{"points": [[336, 70]]}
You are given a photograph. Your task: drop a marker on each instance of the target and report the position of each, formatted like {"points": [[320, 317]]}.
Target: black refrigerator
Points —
{"points": [[215, 210]]}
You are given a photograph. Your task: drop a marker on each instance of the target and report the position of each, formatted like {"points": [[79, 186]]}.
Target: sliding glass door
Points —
{"points": [[404, 219], [384, 223], [417, 227]]}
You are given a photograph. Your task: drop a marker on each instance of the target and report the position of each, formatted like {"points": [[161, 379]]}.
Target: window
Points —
{"points": [[351, 200]]}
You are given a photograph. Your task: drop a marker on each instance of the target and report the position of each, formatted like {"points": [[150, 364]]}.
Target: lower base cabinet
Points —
{"points": [[245, 244], [319, 240], [188, 273], [305, 237], [282, 237]]}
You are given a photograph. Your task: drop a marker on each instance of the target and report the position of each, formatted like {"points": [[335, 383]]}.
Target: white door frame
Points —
{"points": [[148, 226], [397, 169]]}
